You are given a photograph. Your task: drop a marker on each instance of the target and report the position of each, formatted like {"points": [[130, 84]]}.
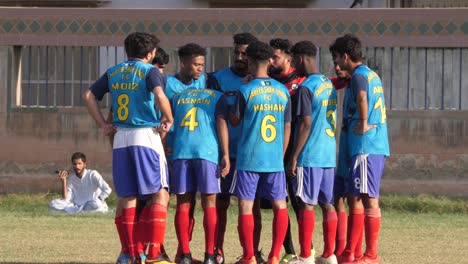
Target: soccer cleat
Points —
{"points": [[365, 260], [252, 260], [259, 257], [309, 260], [209, 259], [273, 260], [330, 260], [219, 256], [345, 258], [123, 258], [288, 258]]}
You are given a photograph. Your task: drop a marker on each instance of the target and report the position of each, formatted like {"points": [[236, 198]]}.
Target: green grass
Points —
{"points": [[420, 229]]}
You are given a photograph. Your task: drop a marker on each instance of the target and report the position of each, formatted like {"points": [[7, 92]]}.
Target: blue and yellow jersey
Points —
{"points": [[318, 99], [229, 83], [264, 107], [195, 112], [374, 141], [175, 86], [131, 93]]}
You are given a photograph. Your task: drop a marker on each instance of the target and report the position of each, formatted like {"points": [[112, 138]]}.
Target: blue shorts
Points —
{"points": [[194, 174], [138, 163], [314, 185], [341, 187], [366, 173], [249, 185], [226, 182]]}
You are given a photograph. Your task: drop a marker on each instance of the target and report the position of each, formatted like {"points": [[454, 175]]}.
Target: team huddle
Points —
{"points": [[262, 130]]}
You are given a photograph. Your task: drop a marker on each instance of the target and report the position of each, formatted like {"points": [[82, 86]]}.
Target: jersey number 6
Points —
{"points": [[267, 129]]}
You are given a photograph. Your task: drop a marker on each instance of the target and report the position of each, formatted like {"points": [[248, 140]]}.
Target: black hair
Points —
{"points": [[191, 50], [78, 155], [304, 47], [349, 44], [139, 44], [162, 58], [281, 44], [259, 51], [244, 38]]}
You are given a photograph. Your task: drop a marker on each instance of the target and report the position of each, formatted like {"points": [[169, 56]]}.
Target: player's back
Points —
{"points": [[374, 141], [320, 148], [195, 124], [260, 147], [132, 101]]}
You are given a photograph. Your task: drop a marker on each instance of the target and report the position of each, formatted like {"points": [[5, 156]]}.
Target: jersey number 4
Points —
{"points": [[190, 119]]}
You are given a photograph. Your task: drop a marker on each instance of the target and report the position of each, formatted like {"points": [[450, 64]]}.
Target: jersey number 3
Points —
{"points": [[190, 119]]}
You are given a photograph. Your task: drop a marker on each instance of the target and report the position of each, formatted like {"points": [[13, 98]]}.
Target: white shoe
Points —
{"points": [[308, 260], [330, 260]]}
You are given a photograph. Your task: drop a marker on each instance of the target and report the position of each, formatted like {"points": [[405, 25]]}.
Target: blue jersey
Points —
{"points": [[374, 141], [229, 83], [317, 99], [175, 86], [195, 112], [131, 85], [264, 107], [344, 157]]}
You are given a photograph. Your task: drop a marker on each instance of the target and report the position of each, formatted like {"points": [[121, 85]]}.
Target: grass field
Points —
{"points": [[414, 230]]}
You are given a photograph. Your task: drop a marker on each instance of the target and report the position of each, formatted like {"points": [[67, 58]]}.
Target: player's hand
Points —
{"points": [[62, 175], [362, 127], [108, 129], [225, 166], [292, 168], [164, 126]]}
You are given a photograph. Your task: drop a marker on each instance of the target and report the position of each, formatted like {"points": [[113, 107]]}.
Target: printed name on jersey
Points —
{"points": [[267, 90]]}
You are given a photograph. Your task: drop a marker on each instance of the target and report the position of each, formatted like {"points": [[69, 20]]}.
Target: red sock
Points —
{"points": [[158, 214], [221, 226], [182, 225], [191, 226], [358, 250], [246, 228], [141, 230], [341, 233], [306, 231], [209, 224], [129, 223], [355, 227], [373, 218], [280, 227], [330, 223], [121, 231]]}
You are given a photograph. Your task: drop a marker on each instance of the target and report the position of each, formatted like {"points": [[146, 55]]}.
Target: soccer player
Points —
{"points": [[281, 70], [368, 147], [263, 109], [138, 163], [189, 76], [228, 81], [314, 153], [198, 113], [341, 188]]}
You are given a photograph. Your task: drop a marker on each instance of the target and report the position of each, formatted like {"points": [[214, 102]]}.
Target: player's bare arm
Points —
{"points": [[362, 107], [305, 125], [223, 135], [164, 105], [63, 175], [95, 112]]}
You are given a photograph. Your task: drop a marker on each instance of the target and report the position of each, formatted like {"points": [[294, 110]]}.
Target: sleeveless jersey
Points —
{"points": [[195, 124], [319, 150], [260, 146], [229, 83], [374, 141], [132, 101]]}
